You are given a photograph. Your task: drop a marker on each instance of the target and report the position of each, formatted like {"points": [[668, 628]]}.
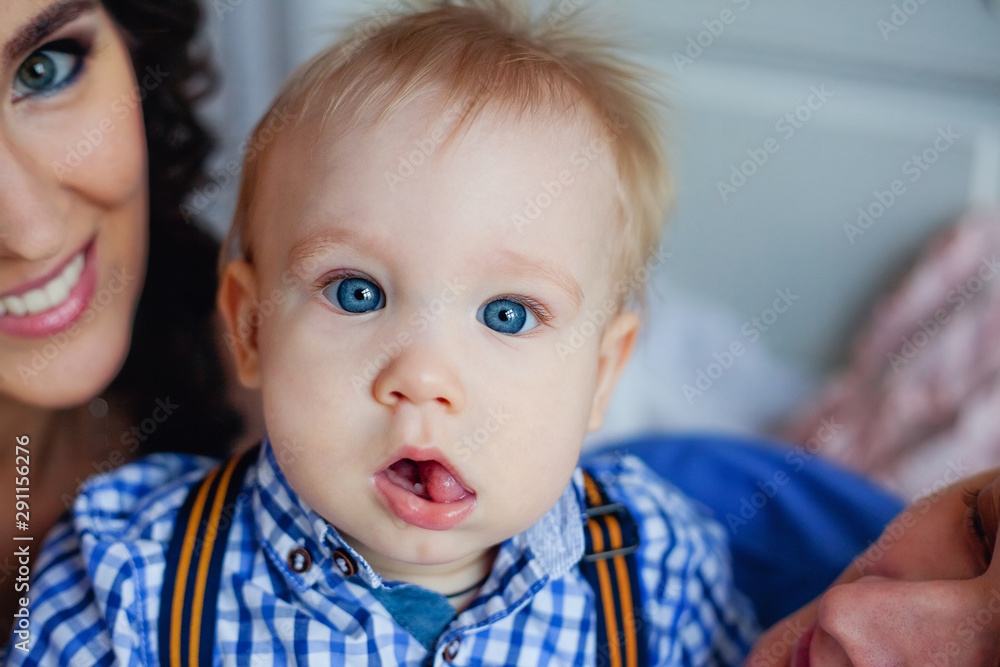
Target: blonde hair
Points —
{"points": [[476, 53]]}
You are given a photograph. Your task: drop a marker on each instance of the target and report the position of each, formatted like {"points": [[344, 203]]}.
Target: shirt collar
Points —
{"points": [[548, 549]]}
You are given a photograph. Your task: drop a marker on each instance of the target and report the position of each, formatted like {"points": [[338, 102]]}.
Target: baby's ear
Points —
{"points": [[237, 300], [615, 350]]}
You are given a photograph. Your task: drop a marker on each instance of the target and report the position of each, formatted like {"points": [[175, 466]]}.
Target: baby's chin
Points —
{"points": [[418, 551]]}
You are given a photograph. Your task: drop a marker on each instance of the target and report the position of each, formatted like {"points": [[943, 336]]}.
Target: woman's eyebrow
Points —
{"points": [[44, 24]]}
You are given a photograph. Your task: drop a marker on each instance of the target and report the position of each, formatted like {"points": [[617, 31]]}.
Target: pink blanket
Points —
{"points": [[919, 405]]}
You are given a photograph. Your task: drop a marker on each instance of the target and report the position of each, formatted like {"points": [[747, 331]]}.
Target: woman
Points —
{"points": [[927, 592], [106, 292]]}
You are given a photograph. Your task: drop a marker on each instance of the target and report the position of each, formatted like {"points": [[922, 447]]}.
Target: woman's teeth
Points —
{"points": [[46, 297]]}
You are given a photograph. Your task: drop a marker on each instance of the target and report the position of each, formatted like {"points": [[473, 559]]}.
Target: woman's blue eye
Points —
{"points": [[50, 68], [507, 317], [355, 295]]}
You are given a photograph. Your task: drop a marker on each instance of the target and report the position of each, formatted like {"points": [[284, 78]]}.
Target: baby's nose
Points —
{"points": [[420, 374]]}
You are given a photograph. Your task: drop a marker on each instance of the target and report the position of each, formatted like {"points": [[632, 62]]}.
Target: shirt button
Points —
{"points": [[451, 649], [344, 562], [299, 560]]}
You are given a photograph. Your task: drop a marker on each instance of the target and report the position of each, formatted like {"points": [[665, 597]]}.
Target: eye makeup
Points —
{"points": [[51, 68]]}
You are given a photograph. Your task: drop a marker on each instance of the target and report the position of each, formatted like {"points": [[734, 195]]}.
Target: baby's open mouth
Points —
{"points": [[428, 479], [422, 489]]}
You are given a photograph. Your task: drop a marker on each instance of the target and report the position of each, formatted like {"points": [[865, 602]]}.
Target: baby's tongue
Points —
{"points": [[441, 486], [429, 479]]}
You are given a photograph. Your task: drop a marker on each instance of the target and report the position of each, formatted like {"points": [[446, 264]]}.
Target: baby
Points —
{"points": [[434, 286]]}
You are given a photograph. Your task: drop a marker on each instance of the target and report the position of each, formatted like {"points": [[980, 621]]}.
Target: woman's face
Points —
{"points": [[73, 200], [926, 593]]}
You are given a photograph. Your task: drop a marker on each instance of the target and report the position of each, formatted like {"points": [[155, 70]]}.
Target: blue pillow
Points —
{"points": [[794, 521]]}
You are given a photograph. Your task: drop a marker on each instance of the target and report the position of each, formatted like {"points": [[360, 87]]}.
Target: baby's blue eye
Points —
{"points": [[50, 68], [507, 317], [355, 295]]}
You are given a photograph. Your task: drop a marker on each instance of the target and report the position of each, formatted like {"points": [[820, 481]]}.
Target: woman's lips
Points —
{"points": [[424, 492], [49, 305]]}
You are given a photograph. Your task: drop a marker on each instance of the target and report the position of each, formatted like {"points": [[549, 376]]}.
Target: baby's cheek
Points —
{"points": [[571, 355], [544, 427]]}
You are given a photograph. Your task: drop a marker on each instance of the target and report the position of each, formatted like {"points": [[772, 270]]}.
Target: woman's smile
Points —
{"points": [[50, 304]]}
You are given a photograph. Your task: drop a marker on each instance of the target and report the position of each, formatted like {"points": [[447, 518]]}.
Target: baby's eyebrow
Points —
{"points": [[518, 264], [320, 242]]}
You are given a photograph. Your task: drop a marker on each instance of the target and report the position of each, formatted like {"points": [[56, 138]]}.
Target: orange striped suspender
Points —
{"points": [[610, 566], [194, 565]]}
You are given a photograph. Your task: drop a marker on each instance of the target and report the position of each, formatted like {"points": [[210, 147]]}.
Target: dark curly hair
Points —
{"points": [[174, 354]]}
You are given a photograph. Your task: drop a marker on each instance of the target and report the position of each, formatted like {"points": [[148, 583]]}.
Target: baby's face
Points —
{"points": [[422, 344]]}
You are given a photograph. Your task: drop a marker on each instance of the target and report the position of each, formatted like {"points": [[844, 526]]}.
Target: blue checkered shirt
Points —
{"points": [[95, 597]]}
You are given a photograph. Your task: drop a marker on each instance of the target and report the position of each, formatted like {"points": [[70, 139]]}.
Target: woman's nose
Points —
{"points": [[31, 227], [883, 621], [421, 373]]}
